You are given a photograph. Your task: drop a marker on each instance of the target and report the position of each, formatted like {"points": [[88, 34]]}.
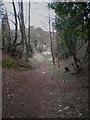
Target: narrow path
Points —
{"points": [[39, 94]]}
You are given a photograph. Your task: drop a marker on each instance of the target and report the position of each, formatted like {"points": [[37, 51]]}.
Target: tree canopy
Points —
{"points": [[71, 22]]}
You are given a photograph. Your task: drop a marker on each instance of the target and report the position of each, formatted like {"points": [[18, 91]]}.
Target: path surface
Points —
{"points": [[0, 84], [39, 94]]}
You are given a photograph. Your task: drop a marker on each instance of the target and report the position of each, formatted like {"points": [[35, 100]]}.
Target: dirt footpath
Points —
{"points": [[40, 94], [0, 84]]}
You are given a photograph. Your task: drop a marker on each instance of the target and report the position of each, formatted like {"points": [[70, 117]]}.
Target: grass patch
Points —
{"points": [[7, 63], [18, 66]]}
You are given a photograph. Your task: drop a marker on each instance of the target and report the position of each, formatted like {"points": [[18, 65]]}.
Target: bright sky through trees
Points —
{"points": [[39, 13]]}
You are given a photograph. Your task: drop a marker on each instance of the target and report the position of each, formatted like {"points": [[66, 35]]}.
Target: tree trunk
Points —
{"points": [[3, 37], [28, 46], [57, 51], [78, 64], [29, 29], [51, 40], [22, 29], [3, 43], [9, 35], [22, 38], [6, 33], [16, 30]]}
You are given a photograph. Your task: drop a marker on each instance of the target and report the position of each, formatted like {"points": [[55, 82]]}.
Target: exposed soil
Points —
{"points": [[41, 94]]}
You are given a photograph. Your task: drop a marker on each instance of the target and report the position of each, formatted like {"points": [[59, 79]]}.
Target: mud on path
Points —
{"points": [[40, 94]]}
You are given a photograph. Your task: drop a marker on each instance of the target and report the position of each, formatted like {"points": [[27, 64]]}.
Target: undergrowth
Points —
{"points": [[10, 64], [7, 63]]}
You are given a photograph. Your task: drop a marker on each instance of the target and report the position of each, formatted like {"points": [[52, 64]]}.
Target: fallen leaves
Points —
{"points": [[12, 102], [59, 111], [66, 108], [24, 89], [43, 72], [52, 93]]}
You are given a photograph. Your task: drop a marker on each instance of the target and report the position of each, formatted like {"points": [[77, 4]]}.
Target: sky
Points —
{"points": [[39, 13]]}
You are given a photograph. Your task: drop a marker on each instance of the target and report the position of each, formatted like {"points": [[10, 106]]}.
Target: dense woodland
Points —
{"points": [[68, 37], [67, 40], [72, 27]]}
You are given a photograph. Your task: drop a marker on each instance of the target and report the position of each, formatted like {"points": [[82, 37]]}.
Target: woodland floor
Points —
{"points": [[47, 92]]}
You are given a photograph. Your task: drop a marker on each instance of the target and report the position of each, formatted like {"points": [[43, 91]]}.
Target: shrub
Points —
{"points": [[7, 63]]}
